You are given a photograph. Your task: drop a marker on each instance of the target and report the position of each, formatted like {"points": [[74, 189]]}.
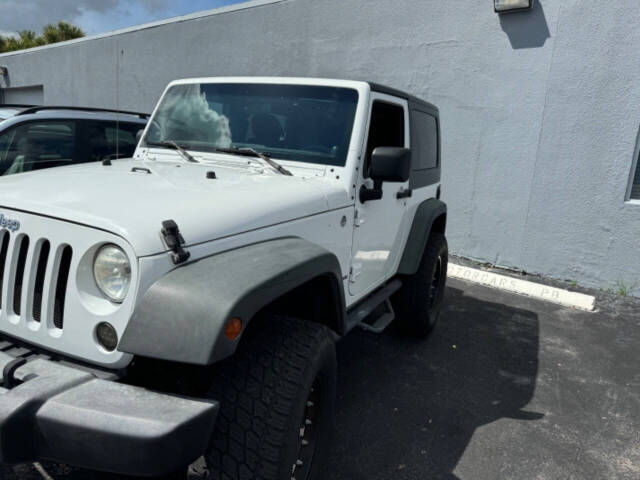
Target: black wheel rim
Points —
{"points": [[434, 289], [307, 439]]}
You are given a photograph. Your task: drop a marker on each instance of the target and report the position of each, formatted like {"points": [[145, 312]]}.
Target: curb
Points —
{"points": [[523, 287]]}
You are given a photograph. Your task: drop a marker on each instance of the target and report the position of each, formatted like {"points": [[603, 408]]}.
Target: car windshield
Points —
{"points": [[310, 124]]}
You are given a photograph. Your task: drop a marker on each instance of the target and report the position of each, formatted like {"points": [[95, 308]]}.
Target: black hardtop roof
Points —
{"points": [[376, 87]]}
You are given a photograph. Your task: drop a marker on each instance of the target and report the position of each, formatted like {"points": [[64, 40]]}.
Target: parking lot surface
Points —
{"points": [[507, 387]]}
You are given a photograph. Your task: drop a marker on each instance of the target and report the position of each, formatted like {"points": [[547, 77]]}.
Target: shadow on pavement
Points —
{"points": [[408, 408]]}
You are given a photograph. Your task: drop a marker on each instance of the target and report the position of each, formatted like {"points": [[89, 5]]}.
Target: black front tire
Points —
{"points": [[419, 301], [277, 396]]}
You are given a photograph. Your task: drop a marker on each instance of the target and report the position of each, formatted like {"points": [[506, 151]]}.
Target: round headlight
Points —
{"points": [[112, 272]]}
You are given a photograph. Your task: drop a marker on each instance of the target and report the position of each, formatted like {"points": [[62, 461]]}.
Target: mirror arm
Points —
{"points": [[375, 193]]}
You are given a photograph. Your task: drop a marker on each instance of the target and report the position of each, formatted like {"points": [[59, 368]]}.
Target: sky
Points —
{"points": [[95, 16]]}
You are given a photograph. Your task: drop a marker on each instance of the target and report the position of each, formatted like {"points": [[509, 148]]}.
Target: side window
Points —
{"points": [[126, 137], [37, 145], [634, 187], [424, 136], [108, 139], [386, 129], [6, 154]]}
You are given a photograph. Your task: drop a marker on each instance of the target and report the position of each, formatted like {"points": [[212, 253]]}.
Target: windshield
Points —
{"points": [[291, 122]]}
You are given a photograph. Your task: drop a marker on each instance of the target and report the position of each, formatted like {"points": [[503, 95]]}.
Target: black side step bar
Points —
{"points": [[359, 313], [378, 324]]}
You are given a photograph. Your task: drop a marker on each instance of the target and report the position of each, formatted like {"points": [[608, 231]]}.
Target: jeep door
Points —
{"points": [[379, 225]]}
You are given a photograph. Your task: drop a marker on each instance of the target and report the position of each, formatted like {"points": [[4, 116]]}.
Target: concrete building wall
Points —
{"points": [[540, 110]]}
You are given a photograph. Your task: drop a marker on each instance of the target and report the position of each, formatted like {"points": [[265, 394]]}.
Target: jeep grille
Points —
{"points": [[48, 296], [4, 246], [25, 265]]}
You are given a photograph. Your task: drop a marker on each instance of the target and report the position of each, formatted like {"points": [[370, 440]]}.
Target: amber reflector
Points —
{"points": [[233, 328]]}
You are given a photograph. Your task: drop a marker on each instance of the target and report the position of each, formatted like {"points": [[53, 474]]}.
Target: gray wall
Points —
{"points": [[540, 110], [33, 95]]}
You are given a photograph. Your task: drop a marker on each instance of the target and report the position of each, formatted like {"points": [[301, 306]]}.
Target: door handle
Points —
{"points": [[404, 193]]}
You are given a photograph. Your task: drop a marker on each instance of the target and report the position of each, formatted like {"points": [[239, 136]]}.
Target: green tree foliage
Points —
{"points": [[50, 34]]}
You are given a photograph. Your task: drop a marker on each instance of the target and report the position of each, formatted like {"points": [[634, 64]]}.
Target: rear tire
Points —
{"points": [[418, 302], [277, 397]]}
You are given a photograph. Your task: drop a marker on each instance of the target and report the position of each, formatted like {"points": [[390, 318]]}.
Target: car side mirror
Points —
{"points": [[388, 164]]}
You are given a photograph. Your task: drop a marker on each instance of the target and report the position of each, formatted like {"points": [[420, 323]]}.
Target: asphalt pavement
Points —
{"points": [[506, 387]]}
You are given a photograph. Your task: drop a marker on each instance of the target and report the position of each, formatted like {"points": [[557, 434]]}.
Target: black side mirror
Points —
{"points": [[388, 164]]}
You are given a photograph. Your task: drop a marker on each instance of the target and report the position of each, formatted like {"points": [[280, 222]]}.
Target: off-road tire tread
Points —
{"points": [[410, 302], [256, 388]]}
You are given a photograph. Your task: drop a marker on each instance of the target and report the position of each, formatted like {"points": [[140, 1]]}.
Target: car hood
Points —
{"points": [[133, 204]]}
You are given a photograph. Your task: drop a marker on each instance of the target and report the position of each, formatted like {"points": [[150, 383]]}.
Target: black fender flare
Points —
{"points": [[182, 317], [426, 214]]}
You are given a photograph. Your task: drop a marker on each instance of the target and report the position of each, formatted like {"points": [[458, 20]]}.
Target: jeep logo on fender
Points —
{"points": [[9, 224]]}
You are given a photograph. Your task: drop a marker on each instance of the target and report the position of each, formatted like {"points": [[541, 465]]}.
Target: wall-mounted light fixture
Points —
{"points": [[504, 6]]}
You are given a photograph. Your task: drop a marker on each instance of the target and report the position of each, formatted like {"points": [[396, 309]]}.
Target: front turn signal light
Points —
{"points": [[233, 328]]}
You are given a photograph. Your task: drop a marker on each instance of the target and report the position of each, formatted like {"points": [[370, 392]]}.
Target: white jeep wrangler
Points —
{"points": [[185, 303]]}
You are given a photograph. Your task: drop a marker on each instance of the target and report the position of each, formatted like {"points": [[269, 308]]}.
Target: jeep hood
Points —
{"points": [[133, 204]]}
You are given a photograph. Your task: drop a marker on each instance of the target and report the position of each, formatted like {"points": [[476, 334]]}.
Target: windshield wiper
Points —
{"points": [[174, 146], [251, 152]]}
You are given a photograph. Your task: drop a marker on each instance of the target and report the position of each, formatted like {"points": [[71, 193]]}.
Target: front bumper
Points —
{"points": [[64, 414]]}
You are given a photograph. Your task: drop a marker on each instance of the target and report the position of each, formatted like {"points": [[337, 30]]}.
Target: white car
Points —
{"points": [[185, 303], [35, 138], [8, 111]]}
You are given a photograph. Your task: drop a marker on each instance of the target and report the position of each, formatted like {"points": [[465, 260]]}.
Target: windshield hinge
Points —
{"points": [[174, 241]]}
